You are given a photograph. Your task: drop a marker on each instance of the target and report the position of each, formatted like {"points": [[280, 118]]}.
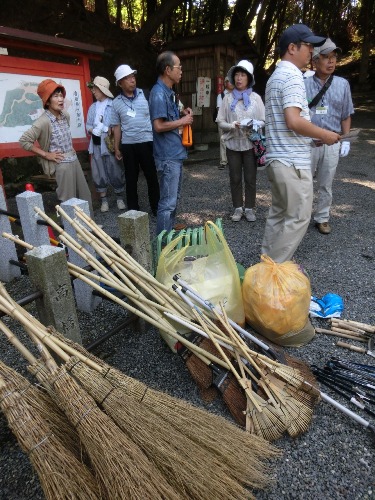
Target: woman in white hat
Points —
{"points": [[241, 110], [106, 169]]}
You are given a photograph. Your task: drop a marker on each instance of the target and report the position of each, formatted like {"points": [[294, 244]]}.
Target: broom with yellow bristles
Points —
{"points": [[192, 468], [61, 474]]}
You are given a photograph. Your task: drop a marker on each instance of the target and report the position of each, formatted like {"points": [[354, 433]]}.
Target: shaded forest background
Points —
{"points": [[134, 31]]}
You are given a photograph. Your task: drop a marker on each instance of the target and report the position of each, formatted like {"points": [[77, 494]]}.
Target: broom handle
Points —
{"points": [[80, 270], [337, 334], [128, 260], [208, 305], [362, 326], [17, 344]]}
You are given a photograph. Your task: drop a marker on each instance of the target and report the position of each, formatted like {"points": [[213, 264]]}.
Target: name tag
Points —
{"points": [[322, 110], [131, 113]]}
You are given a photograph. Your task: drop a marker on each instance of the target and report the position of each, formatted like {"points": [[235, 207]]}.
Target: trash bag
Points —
{"points": [[209, 267], [276, 299]]}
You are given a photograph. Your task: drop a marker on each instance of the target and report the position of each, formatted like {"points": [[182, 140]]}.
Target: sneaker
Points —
{"points": [[323, 227], [250, 215], [104, 206], [121, 205], [238, 213]]}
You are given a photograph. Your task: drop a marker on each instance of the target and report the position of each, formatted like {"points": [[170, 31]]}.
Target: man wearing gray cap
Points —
{"points": [[133, 137], [331, 107], [289, 132]]}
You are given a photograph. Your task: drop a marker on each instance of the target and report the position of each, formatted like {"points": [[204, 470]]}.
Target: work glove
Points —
{"points": [[345, 148], [257, 124]]}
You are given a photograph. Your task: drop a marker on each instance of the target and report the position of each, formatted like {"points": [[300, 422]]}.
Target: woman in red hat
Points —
{"points": [[55, 149]]}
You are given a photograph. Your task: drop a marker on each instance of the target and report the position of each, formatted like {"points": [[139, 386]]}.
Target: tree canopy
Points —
{"points": [[351, 23]]}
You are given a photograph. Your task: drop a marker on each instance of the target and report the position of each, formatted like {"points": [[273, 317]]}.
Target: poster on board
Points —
{"points": [[203, 91], [20, 105]]}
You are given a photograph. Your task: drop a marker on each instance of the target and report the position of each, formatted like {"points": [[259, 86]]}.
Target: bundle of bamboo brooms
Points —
{"points": [[265, 396], [135, 442]]}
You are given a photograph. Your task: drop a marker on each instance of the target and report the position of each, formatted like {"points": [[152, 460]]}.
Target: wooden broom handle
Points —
{"points": [[351, 347]]}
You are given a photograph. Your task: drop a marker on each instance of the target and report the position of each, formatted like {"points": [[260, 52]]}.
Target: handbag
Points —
{"points": [[259, 142], [110, 142]]}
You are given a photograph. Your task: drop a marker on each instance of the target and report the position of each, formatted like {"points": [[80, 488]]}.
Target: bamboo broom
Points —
{"points": [[231, 445], [179, 457], [121, 468], [61, 475], [190, 468]]}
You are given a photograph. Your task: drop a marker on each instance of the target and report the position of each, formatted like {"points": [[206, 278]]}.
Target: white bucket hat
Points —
{"points": [[123, 71], [103, 85], [245, 66]]}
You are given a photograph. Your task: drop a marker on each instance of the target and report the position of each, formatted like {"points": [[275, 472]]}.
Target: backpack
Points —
{"points": [[214, 114]]}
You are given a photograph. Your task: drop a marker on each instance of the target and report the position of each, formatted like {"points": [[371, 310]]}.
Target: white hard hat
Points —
{"points": [[123, 71]]}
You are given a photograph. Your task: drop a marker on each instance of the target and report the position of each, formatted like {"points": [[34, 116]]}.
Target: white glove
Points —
{"points": [[257, 124], [345, 148], [98, 129]]}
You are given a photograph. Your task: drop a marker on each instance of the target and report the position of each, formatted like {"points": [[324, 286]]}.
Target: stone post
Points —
{"points": [[7, 247], [49, 273], [135, 239], [33, 233], [85, 299]]}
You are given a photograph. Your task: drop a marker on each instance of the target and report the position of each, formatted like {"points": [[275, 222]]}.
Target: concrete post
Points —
{"points": [[85, 299], [135, 239], [49, 273], [7, 247], [32, 233]]}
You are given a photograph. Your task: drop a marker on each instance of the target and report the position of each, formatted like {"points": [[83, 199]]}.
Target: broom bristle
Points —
{"points": [[43, 404], [61, 474], [188, 466], [120, 466], [230, 443]]}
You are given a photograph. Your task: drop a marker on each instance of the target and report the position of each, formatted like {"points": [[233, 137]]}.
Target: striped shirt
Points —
{"points": [[337, 99], [61, 137], [133, 114], [285, 89]]}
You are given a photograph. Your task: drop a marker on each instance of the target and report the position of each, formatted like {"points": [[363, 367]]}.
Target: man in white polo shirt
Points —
{"points": [[289, 132]]}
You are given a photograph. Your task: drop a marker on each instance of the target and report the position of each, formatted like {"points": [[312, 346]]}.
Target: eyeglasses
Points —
{"points": [[309, 45], [177, 66]]}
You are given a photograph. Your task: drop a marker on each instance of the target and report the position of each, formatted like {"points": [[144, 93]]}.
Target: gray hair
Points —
{"points": [[164, 60]]}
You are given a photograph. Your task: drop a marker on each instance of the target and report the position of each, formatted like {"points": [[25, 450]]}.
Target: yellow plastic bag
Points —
{"points": [[276, 299], [209, 268]]}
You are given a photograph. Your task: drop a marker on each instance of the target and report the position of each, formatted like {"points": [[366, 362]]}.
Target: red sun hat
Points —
{"points": [[47, 87]]}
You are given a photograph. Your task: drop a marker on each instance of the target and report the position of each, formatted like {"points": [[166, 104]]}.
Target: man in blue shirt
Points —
{"points": [[332, 112], [169, 152], [133, 137]]}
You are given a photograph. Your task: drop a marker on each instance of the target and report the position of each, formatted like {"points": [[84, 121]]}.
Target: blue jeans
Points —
{"points": [[170, 181]]}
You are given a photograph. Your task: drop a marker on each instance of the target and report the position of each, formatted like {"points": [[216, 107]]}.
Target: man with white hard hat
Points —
{"points": [[133, 137], [331, 107]]}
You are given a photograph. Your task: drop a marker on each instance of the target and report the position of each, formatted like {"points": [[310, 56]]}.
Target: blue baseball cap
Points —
{"points": [[299, 33]]}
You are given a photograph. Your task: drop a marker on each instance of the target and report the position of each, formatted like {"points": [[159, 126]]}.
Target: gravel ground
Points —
{"points": [[335, 458]]}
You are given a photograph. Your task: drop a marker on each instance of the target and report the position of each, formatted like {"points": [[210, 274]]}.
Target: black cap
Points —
{"points": [[299, 33]]}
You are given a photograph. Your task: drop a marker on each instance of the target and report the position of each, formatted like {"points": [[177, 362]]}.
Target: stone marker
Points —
{"points": [[7, 248]]}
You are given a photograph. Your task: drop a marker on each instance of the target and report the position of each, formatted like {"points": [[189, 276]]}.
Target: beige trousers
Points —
{"points": [[290, 212], [71, 183]]}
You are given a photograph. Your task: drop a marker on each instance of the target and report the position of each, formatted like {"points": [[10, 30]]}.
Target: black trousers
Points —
{"points": [[137, 156]]}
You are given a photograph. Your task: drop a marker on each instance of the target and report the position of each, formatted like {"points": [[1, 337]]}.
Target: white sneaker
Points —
{"points": [[104, 207], [238, 213], [121, 205], [250, 215]]}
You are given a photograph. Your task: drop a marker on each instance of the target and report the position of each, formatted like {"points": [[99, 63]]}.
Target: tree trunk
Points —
{"points": [[157, 18], [367, 16]]}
